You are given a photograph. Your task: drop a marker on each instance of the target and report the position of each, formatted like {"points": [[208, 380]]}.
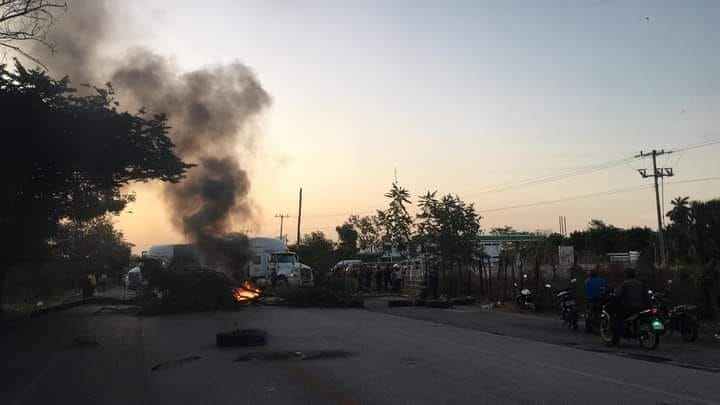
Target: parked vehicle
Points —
{"points": [[175, 257], [646, 325], [133, 279], [566, 305], [681, 318], [523, 296], [273, 259]]}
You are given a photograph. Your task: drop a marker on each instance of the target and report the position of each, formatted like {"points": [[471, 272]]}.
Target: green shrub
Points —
{"points": [[190, 291]]}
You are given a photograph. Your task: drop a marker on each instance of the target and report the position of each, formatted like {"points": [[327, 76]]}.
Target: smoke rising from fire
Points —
{"points": [[210, 111]]}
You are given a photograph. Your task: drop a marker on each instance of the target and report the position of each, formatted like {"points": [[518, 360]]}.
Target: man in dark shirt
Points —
{"points": [[631, 296], [433, 282]]}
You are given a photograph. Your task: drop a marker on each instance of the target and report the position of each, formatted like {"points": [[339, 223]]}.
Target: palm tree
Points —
{"points": [[395, 220], [681, 213]]}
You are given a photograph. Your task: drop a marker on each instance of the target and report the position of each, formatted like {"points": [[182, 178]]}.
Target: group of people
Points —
{"points": [[387, 278], [91, 281], [631, 297]]}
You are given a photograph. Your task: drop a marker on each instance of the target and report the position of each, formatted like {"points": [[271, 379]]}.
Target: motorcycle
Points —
{"points": [[646, 325], [680, 318], [524, 297], [567, 307], [593, 310]]}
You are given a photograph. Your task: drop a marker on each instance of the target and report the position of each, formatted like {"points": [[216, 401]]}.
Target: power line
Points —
{"points": [[593, 195], [566, 199], [697, 145], [560, 200], [561, 175], [554, 177]]}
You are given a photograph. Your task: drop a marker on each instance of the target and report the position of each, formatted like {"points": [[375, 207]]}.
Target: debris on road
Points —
{"points": [[463, 301], [241, 337], [84, 341], [296, 355], [174, 363]]}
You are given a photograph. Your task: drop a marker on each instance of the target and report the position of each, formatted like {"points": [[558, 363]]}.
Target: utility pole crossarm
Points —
{"points": [[282, 218]]}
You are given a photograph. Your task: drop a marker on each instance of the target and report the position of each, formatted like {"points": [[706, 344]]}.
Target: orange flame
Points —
{"points": [[246, 292]]}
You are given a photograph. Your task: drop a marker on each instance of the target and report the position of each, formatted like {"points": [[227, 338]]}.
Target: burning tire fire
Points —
{"points": [[247, 292]]}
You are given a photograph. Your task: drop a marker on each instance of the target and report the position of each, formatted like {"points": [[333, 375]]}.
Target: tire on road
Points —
{"points": [[241, 338]]}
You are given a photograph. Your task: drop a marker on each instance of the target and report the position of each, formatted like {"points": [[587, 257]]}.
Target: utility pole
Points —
{"points": [[658, 172], [282, 218], [299, 216]]}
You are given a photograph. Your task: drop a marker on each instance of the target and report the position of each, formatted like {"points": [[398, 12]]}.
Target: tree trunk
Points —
{"points": [[482, 270], [444, 279], [3, 274], [512, 272], [469, 280], [505, 280], [491, 293]]}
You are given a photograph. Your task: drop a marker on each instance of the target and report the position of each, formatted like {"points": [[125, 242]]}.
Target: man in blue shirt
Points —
{"points": [[595, 286]]}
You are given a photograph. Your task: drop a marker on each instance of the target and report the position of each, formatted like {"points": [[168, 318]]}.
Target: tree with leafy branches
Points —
{"points": [[395, 221], [67, 157]]}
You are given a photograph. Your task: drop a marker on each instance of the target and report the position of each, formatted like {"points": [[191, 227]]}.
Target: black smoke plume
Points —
{"points": [[210, 111]]}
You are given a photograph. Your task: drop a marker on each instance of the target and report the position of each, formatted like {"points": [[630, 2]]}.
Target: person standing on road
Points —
{"points": [[631, 296], [378, 278], [103, 282], [433, 282], [396, 278], [85, 286], [386, 277], [92, 283]]}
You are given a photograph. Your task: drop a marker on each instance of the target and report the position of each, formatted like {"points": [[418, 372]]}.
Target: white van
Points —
{"points": [[175, 256], [272, 255]]}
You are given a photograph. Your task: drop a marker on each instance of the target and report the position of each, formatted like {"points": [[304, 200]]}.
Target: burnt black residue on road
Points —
{"points": [[296, 355], [174, 363]]}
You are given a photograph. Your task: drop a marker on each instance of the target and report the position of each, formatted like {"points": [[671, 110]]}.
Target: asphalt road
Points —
{"points": [[389, 359], [673, 350]]}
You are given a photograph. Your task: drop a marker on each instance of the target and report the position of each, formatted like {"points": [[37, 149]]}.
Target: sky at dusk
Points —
{"points": [[460, 97]]}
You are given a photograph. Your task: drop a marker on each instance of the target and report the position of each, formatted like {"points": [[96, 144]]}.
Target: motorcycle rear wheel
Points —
{"points": [[606, 333], [649, 340]]}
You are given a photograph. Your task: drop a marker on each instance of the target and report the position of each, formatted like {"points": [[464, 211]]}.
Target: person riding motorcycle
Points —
{"points": [[595, 286], [632, 298], [595, 290]]}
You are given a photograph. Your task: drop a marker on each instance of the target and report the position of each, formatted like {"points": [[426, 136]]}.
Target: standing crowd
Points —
{"points": [[388, 278], [91, 282]]}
